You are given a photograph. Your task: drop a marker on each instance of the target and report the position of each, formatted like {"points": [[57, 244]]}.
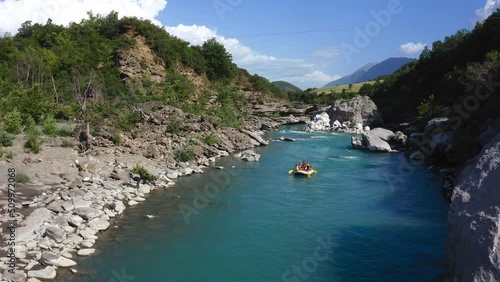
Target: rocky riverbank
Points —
{"points": [[70, 198]]}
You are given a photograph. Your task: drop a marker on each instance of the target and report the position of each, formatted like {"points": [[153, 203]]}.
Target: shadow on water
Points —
{"points": [[358, 245]]}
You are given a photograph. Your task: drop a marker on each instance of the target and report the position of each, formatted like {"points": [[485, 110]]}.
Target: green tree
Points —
{"points": [[13, 122], [218, 60], [366, 89]]}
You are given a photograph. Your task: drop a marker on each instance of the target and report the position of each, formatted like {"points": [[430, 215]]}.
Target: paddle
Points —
{"points": [[290, 171], [315, 171]]}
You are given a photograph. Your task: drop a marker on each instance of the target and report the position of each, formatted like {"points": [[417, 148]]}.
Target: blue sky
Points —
{"points": [[308, 43]]}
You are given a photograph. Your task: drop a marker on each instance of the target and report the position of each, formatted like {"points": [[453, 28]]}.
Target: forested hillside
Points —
{"points": [[96, 71], [458, 74]]}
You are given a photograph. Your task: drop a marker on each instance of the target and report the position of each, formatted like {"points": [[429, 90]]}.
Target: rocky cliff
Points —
{"points": [[348, 116], [474, 219], [360, 109]]}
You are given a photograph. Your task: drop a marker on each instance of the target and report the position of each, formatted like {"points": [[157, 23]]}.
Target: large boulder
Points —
{"points": [[377, 140], [472, 252], [87, 213], [436, 142], [56, 260], [319, 123], [256, 137], [55, 233], [32, 223], [47, 273], [360, 109], [249, 156]]}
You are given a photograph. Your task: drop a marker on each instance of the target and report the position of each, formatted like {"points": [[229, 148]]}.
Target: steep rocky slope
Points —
{"points": [[474, 219]]}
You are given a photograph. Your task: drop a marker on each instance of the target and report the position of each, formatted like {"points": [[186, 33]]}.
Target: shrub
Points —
{"points": [[184, 154], [143, 173], [173, 127], [1, 151], [22, 177], [116, 139], [429, 108], [65, 131], [33, 145], [29, 125], [50, 127], [5, 139], [32, 133], [13, 122], [66, 143], [10, 155], [210, 139]]}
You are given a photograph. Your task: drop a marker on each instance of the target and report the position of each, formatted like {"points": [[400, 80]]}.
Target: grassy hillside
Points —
{"points": [[343, 88], [286, 86]]}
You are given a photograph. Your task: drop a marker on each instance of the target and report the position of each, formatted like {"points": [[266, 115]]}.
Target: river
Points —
{"points": [[362, 217]]}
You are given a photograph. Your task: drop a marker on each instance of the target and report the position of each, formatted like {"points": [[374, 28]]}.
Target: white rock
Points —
{"points": [[249, 156], [98, 225], [85, 252], [87, 244], [75, 220], [67, 206], [119, 207], [75, 239], [47, 273], [87, 213], [145, 189], [132, 203], [55, 233], [56, 260], [32, 223], [81, 203], [319, 123], [88, 233], [378, 139], [172, 174]]}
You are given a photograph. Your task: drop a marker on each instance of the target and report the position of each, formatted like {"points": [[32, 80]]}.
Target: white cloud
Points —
{"points": [[412, 48], [298, 71], [328, 52], [313, 79], [15, 12], [489, 7]]}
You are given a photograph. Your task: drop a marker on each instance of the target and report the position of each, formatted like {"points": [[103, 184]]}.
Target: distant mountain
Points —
{"points": [[371, 71], [352, 78], [286, 86]]}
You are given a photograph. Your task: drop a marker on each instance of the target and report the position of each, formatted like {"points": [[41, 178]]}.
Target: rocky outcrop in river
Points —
{"points": [[474, 219], [379, 140], [347, 116], [360, 109]]}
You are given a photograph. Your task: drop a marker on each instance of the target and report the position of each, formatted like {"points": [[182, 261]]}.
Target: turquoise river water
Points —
{"points": [[363, 217]]}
